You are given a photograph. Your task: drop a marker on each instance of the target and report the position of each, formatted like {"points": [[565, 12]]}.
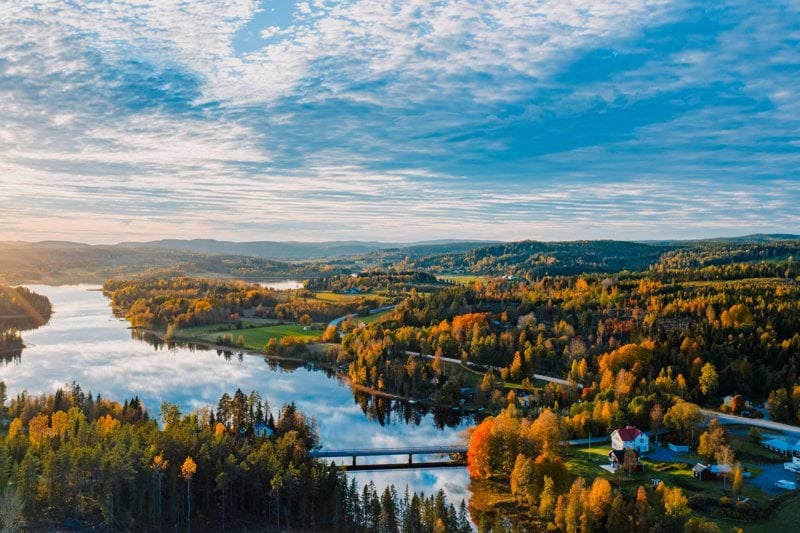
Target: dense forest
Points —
{"points": [[73, 461], [533, 259], [391, 283]]}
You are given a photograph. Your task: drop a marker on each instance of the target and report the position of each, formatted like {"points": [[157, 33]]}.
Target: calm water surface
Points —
{"points": [[85, 343], [282, 285]]}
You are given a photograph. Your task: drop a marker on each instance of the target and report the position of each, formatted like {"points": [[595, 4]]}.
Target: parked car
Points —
{"points": [[786, 484]]}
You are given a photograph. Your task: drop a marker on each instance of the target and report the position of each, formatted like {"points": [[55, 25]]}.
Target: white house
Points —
{"points": [[630, 437]]}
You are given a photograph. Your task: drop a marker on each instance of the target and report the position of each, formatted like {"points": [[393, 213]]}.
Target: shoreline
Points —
{"points": [[328, 366]]}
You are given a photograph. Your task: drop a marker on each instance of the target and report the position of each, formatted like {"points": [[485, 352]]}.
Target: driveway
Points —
{"points": [[771, 473]]}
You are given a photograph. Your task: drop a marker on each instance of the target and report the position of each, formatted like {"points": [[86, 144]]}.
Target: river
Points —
{"points": [[85, 343]]}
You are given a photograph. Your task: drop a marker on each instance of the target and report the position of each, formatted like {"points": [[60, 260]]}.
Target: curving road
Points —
{"points": [[757, 422], [336, 321], [540, 377]]}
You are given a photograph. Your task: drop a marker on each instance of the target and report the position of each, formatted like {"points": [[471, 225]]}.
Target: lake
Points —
{"points": [[281, 285], [85, 343]]}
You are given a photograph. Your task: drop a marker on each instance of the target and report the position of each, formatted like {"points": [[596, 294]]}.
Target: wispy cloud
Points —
{"points": [[398, 120]]}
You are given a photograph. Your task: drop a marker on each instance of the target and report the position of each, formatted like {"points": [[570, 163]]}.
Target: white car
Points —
{"points": [[791, 467]]}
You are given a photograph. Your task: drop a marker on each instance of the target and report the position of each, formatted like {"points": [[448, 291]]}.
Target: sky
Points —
{"points": [[398, 120]]}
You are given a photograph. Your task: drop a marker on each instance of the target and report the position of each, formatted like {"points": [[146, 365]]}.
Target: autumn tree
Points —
{"points": [[546, 432], [188, 470], [330, 334], [709, 380], [712, 440], [656, 418], [642, 509], [683, 417], [547, 499], [738, 480], [725, 457], [629, 461]]}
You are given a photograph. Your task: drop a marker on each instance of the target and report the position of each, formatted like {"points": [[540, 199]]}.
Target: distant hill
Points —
{"points": [[69, 262], [66, 263], [298, 251], [532, 258]]}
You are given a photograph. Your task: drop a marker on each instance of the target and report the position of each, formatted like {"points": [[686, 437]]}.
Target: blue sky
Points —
{"points": [[402, 121]]}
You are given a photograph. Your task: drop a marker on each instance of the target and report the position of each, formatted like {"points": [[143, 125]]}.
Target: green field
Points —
{"points": [[462, 279], [675, 475], [337, 297], [254, 338]]}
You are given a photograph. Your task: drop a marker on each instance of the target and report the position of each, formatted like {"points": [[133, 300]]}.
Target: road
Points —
{"points": [[336, 321], [540, 377], [766, 424]]}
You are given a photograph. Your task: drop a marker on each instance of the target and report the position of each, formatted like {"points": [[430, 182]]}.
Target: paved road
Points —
{"points": [[540, 377], [336, 321], [766, 424]]}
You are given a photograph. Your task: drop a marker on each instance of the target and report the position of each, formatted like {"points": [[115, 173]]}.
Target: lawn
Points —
{"points": [[678, 474], [462, 279], [221, 329], [338, 297], [749, 451], [254, 338]]}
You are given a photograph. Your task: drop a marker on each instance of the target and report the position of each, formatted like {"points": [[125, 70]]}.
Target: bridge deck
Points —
{"points": [[424, 450]]}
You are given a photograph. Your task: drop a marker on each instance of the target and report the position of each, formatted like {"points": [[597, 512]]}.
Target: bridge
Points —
{"points": [[457, 455]]}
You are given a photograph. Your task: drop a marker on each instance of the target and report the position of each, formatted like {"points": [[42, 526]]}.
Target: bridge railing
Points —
{"points": [[423, 450]]}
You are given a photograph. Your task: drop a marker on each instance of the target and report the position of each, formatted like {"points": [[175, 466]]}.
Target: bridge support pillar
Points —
{"points": [[354, 460], [410, 461]]}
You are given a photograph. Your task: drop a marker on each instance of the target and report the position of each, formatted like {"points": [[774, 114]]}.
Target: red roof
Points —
{"points": [[628, 433]]}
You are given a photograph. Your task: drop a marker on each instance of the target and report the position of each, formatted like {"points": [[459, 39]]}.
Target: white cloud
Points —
{"points": [[455, 118]]}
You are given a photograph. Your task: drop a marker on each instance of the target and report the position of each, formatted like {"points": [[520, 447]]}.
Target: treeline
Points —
{"points": [[388, 281], [532, 260], [180, 301], [21, 308], [69, 263], [706, 254], [69, 458]]}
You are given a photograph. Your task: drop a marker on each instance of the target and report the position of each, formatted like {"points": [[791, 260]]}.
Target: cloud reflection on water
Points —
{"points": [[84, 343]]}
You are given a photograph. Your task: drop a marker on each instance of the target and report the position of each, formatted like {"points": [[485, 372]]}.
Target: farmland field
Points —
{"points": [[254, 338]]}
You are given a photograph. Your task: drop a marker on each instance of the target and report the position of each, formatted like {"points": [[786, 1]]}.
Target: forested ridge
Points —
{"points": [[65, 263], [69, 460], [533, 260]]}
